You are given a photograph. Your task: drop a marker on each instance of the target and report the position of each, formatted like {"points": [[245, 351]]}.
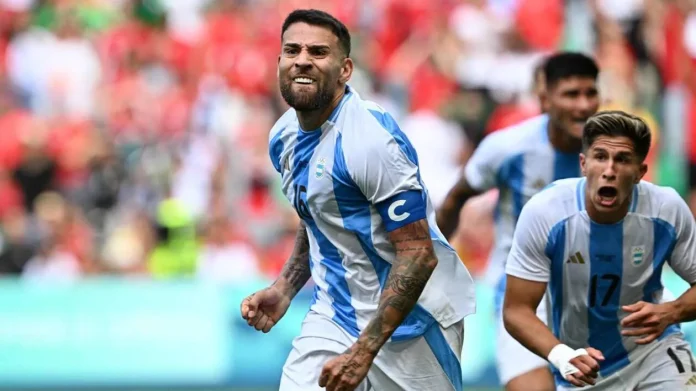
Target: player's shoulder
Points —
{"points": [[557, 201], [368, 128], [280, 137], [286, 122], [515, 139], [659, 201]]}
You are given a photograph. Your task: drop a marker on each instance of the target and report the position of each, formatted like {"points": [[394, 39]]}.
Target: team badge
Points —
{"points": [[637, 253], [321, 167]]}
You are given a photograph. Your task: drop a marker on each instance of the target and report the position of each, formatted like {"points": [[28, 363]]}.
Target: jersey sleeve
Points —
{"points": [[385, 169], [527, 258], [683, 259], [481, 169]]}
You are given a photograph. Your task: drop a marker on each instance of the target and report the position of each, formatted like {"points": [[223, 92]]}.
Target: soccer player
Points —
{"points": [[599, 243], [390, 293], [520, 161]]}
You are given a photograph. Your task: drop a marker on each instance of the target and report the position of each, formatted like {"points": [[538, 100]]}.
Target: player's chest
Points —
{"points": [[307, 179], [528, 173], [598, 256]]}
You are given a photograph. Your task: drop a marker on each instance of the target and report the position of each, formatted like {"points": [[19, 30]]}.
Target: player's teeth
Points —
{"points": [[303, 80]]}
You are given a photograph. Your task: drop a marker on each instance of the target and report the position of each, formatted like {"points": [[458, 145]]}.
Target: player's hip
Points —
{"points": [[432, 359]]}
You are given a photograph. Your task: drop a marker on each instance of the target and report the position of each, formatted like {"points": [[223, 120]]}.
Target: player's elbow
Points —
{"points": [[426, 259], [513, 316]]}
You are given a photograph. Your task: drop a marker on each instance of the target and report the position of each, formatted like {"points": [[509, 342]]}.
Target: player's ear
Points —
{"points": [[582, 164], [346, 70], [643, 171], [543, 95]]}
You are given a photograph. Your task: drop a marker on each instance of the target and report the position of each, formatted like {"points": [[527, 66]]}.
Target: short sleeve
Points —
{"points": [[528, 257], [275, 149], [481, 169], [385, 169], [683, 259]]}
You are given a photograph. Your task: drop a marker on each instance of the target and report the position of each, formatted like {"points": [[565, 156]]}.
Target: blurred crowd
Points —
{"points": [[133, 133]]}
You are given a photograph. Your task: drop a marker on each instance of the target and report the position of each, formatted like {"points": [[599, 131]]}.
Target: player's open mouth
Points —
{"points": [[303, 80], [607, 195]]}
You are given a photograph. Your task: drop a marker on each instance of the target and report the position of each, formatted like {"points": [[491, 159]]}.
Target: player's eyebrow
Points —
{"points": [[316, 46]]}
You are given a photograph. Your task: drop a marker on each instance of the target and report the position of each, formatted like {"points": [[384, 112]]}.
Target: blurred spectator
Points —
{"points": [[134, 132]]}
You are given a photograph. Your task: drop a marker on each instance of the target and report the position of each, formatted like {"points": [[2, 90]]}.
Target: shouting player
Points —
{"points": [[520, 161], [390, 293], [600, 243]]}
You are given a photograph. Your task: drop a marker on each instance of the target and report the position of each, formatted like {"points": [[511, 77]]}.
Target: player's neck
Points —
{"points": [[562, 141], [311, 120], [608, 218]]}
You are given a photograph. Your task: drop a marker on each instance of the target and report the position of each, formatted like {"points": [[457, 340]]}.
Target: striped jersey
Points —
{"points": [[519, 161], [594, 269], [352, 181]]}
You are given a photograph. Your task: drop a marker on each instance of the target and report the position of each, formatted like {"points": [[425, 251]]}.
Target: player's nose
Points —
{"points": [[303, 60], [609, 172]]}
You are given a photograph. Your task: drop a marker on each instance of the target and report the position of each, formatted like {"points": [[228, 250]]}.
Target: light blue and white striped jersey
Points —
{"points": [[519, 161], [352, 181], [594, 269]]}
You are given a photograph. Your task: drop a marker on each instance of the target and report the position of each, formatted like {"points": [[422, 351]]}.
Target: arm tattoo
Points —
{"points": [[415, 262], [296, 271]]}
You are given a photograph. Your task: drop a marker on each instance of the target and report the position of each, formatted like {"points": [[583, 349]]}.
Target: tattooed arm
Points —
{"points": [[415, 262], [296, 271]]}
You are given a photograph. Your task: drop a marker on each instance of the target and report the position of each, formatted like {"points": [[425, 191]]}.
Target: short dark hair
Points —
{"points": [[320, 18], [569, 64], [616, 123]]}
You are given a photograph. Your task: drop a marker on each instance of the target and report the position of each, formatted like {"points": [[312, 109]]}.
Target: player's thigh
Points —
{"points": [[319, 341], [515, 361], [430, 362], [670, 366]]}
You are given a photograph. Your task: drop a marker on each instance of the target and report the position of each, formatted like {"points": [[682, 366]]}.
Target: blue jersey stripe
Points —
{"points": [[511, 175], [555, 251], [276, 149], [355, 211], [444, 355], [565, 165], [634, 200], [606, 270], [665, 238], [580, 194], [331, 258]]}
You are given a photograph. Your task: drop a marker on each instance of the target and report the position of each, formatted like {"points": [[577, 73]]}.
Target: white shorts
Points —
{"points": [[429, 362], [512, 358], [669, 366]]}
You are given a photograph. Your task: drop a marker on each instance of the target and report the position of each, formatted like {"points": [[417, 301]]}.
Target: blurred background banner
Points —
{"points": [[119, 333]]}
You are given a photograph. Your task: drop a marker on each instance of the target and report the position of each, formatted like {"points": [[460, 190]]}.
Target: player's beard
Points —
{"points": [[305, 100]]}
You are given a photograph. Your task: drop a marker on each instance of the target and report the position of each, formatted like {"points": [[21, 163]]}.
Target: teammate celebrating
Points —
{"points": [[600, 244], [520, 161], [390, 293]]}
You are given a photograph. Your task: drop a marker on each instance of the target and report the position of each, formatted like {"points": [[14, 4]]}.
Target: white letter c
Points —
{"points": [[392, 209]]}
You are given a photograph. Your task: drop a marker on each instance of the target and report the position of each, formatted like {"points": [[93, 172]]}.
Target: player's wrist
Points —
{"points": [[560, 357], [675, 311], [285, 287]]}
